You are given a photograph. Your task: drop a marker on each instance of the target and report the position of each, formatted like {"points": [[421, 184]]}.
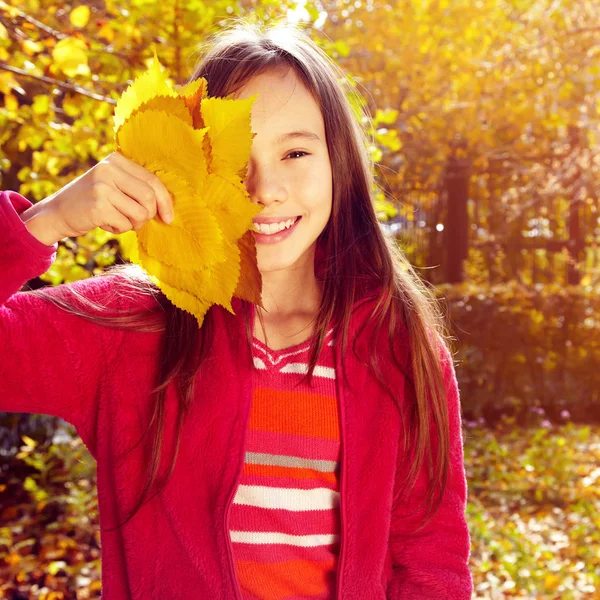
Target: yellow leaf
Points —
{"points": [[129, 246], [30, 443], [186, 301], [72, 106], [7, 82], [11, 103], [41, 104], [230, 133], [80, 16], [249, 274], [55, 566], [198, 259], [3, 32], [146, 86], [30, 47], [177, 287], [187, 201], [107, 33], [223, 281], [168, 144], [231, 205], [192, 94], [170, 104], [194, 87], [214, 284], [173, 243], [551, 581], [70, 57]]}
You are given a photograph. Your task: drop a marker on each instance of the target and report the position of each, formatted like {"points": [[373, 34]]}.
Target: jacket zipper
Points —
{"points": [[342, 420], [232, 572]]}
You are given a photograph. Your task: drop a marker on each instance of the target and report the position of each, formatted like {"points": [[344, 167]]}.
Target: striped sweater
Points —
{"points": [[284, 521]]}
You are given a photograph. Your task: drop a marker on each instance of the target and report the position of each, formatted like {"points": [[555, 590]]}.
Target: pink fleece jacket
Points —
{"points": [[177, 546]]}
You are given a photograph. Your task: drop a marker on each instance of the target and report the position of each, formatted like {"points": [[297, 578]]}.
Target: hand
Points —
{"points": [[116, 195]]}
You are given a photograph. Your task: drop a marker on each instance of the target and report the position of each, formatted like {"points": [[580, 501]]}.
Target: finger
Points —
{"points": [[136, 189], [129, 208], [163, 198], [115, 221]]}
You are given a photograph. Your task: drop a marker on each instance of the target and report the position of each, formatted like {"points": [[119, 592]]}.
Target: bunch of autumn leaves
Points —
{"points": [[199, 148]]}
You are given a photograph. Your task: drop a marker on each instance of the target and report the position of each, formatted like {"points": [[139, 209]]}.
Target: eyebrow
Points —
{"points": [[302, 133]]}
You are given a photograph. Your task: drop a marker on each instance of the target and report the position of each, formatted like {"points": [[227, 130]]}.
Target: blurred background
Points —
{"points": [[485, 138]]}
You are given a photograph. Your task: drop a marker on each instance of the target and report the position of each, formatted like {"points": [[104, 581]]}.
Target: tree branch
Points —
{"points": [[61, 84], [59, 35]]}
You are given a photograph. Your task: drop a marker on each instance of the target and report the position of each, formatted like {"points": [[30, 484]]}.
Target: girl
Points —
{"points": [[314, 452]]}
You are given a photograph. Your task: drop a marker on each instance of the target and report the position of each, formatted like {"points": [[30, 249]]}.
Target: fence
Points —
{"points": [[454, 228]]}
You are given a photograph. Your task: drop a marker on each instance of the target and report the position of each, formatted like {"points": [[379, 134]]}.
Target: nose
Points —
{"points": [[264, 186]]}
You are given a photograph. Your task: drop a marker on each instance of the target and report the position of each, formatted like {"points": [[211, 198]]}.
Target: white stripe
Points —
{"points": [[259, 363], [272, 537], [319, 371], [287, 498], [275, 361]]}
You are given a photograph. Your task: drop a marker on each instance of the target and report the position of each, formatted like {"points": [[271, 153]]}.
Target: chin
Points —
{"points": [[276, 262], [277, 258], [273, 265]]}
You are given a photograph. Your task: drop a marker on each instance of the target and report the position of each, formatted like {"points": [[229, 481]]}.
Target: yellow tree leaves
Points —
{"points": [[70, 56], [198, 147], [506, 77], [80, 16]]}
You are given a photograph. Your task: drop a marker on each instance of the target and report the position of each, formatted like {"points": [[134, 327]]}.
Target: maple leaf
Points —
{"points": [[198, 147]]}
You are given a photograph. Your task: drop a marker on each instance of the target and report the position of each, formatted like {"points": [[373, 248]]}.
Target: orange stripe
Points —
{"points": [[300, 413], [272, 581], [291, 472]]}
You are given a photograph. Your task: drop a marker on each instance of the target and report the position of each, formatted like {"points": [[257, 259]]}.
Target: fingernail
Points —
{"points": [[169, 218]]}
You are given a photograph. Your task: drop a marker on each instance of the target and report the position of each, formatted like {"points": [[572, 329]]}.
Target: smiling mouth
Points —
{"points": [[279, 230]]}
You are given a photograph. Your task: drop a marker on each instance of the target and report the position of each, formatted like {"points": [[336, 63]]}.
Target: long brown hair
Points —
{"points": [[355, 254]]}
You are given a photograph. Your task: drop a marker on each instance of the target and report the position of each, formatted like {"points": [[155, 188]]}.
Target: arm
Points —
{"points": [[51, 362], [22, 256], [433, 564]]}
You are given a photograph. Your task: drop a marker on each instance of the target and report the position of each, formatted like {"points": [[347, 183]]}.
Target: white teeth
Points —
{"points": [[271, 228]]}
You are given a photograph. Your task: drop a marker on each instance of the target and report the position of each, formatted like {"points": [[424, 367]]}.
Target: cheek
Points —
{"points": [[315, 191]]}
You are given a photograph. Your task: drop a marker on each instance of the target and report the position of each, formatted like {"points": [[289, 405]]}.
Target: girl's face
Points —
{"points": [[289, 172]]}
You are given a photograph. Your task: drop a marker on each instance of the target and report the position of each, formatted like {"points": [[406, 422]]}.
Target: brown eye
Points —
{"points": [[298, 152]]}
